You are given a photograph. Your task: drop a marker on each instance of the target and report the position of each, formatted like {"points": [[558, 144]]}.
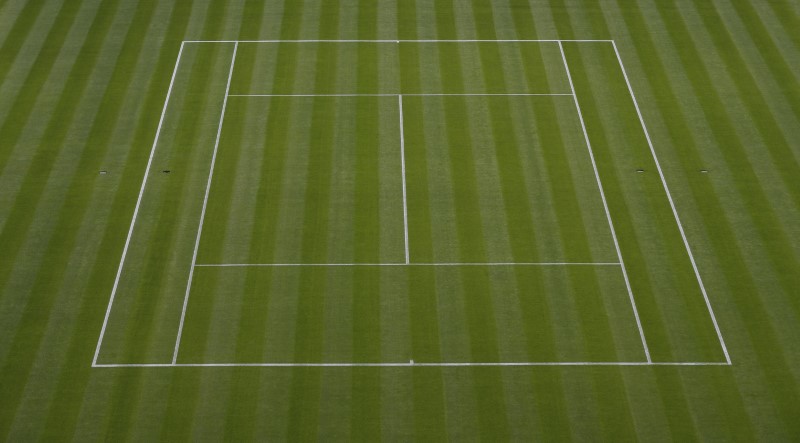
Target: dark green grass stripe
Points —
{"points": [[652, 317], [428, 389], [732, 259], [572, 232], [487, 382], [179, 412], [36, 314], [28, 94], [194, 341], [773, 237], [670, 384], [303, 422], [759, 110], [785, 77], [239, 421], [173, 200], [365, 419], [12, 235], [788, 19], [255, 303], [551, 409], [62, 417], [615, 417], [683, 286], [711, 211], [182, 402], [519, 223], [18, 34]]}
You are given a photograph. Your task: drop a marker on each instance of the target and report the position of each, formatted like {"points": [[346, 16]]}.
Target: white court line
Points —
{"points": [[403, 166], [244, 265], [136, 209], [393, 41], [205, 203], [520, 94], [399, 364], [605, 205], [674, 210]]}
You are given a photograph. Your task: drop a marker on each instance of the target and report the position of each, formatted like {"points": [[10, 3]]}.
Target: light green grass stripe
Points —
{"points": [[242, 411], [607, 385], [772, 232], [547, 399], [736, 266], [680, 134], [428, 395], [520, 224], [675, 295], [70, 392], [17, 35], [35, 317], [748, 184], [61, 279], [182, 403], [789, 20], [365, 420], [27, 96], [303, 420], [476, 296]]}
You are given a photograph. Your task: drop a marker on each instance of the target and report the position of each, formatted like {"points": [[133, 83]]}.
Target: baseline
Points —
{"points": [[395, 41], [399, 364], [410, 95], [243, 265]]}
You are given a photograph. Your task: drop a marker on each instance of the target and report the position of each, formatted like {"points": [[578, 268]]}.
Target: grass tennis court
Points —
{"points": [[399, 220]]}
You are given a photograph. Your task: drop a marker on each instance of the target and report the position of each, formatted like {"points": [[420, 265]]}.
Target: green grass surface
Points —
{"points": [[319, 180]]}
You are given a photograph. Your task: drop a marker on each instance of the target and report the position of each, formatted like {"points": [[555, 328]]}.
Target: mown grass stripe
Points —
{"points": [[365, 419], [182, 405], [428, 390], [179, 194], [177, 415], [711, 211], [303, 420], [35, 316], [675, 401], [550, 410], [773, 235], [476, 294], [256, 302], [240, 417], [789, 20], [607, 386], [520, 224], [71, 389], [80, 187], [17, 34], [11, 236]]}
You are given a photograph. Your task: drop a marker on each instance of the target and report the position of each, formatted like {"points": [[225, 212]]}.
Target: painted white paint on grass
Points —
{"points": [[205, 204], [136, 208], [244, 265], [672, 206], [410, 363], [395, 41], [403, 167], [471, 94], [605, 204]]}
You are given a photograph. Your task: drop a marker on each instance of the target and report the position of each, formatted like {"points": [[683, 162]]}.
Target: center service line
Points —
{"points": [[403, 167]]}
